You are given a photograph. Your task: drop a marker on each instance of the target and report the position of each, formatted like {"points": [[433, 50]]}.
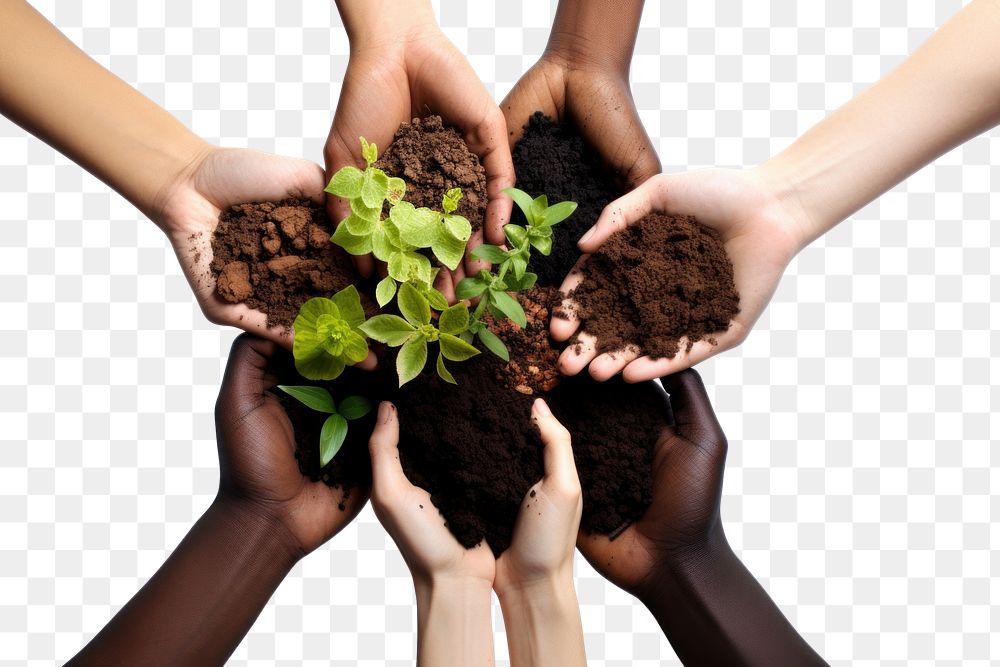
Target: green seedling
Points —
{"points": [[334, 431], [327, 335], [414, 331]]}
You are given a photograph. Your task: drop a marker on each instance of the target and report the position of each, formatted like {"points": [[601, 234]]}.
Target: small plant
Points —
{"points": [[334, 431], [327, 338]]}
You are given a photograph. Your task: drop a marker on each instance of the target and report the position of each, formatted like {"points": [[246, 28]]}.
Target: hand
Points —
{"points": [[688, 466], [430, 550], [760, 231], [597, 101], [257, 454], [188, 209], [404, 67]]}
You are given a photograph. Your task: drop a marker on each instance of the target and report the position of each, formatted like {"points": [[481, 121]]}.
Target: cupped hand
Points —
{"points": [[410, 71], [688, 466], [597, 101], [257, 453], [188, 212], [430, 550], [760, 231], [542, 546]]}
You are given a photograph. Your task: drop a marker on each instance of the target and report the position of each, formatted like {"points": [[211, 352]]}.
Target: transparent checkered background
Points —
{"points": [[860, 486]]}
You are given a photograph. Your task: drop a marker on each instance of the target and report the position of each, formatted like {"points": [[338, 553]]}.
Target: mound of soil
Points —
{"points": [[275, 256], [551, 159], [654, 285], [433, 159]]}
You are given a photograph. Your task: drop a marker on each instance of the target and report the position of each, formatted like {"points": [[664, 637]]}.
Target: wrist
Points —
{"points": [[541, 596], [595, 35], [259, 526], [675, 568], [383, 24], [787, 191]]}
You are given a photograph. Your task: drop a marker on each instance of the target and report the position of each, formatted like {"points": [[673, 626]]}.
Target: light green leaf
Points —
{"points": [[525, 283], [448, 250], [375, 188], [331, 438], [435, 298], [450, 200], [542, 244], [359, 209], [520, 265], [458, 227], [320, 366], [348, 302], [493, 343], [538, 206], [396, 190], [516, 234], [522, 199], [355, 245], [470, 288], [385, 290], [558, 212], [417, 226], [489, 253], [413, 305], [509, 306], [355, 407], [355, 348], [467, 336], [392, 330], [346, 183], [307, 337], [411, 359], [358, 226], [454, 320], [407, 266], [456, 349], [443, 372], [368, 151], [317, 398], [383, 243]]}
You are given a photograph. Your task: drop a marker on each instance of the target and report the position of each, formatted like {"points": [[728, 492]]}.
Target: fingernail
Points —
{"points": [[590, 232], [542, 408]]}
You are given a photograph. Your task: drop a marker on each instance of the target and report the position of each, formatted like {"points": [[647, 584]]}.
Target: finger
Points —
{"points": [[565, 321], [444, 283], [693, 414], [488, 140], [578, 356], [383, 446], [369, 363], [645, 368], [624, 211], [558, 453], [610, 364], [246, 372]]}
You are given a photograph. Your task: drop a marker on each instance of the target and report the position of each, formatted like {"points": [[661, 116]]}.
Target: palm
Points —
{"points": [[189, 212]]}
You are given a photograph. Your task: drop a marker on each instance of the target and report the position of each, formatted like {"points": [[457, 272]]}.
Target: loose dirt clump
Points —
{"points": [[533, 368], [663, 283], [433, 159], [275, 256]]}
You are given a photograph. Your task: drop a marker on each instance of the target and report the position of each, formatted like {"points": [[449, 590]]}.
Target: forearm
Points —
{"points": [[543, 624], [598, 33], [370, 23], [713, 611], [454, 626], [203, 600], [58, 93], [944, 94]]}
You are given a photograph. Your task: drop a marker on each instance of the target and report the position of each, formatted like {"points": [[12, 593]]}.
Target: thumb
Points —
{"points": [[558, 454], [383, 446], [625, 211]]}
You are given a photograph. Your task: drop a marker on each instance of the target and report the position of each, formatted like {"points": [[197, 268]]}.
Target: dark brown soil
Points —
{"points": [[533, 367], [552, 159], [275, 256], [433, 159], [656, 283]]}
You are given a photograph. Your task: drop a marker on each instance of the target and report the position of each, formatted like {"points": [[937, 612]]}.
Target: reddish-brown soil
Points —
{"points": [[533, 361], [433, 159], [663, 281], [275, 256], [552, 159]]}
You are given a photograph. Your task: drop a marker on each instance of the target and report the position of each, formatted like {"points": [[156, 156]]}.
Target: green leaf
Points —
{"points": [[443, 372], [509, 306], [317, 398], [458, 227], [358, 226], [522, 199], [348, 302], [355, 348], [542, 244], [392, 330], [435, 299], [448, 250], [355, 245], [489, 253], [516, 234], [454, 320], [385, 290], [368, 151], [525, 283], [417, 226], [308, 341], [346, 183], [538, 206], [558, 212], [396, 190], [375, 188], [331, 438], [411, 359], [413, 305], [405, 266], [520, 265], [470, 288], [450, 200], [467, 336], [355, 407], [493, 343], [456, 349], [385, 240], [359, 209], [320, 366]]}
